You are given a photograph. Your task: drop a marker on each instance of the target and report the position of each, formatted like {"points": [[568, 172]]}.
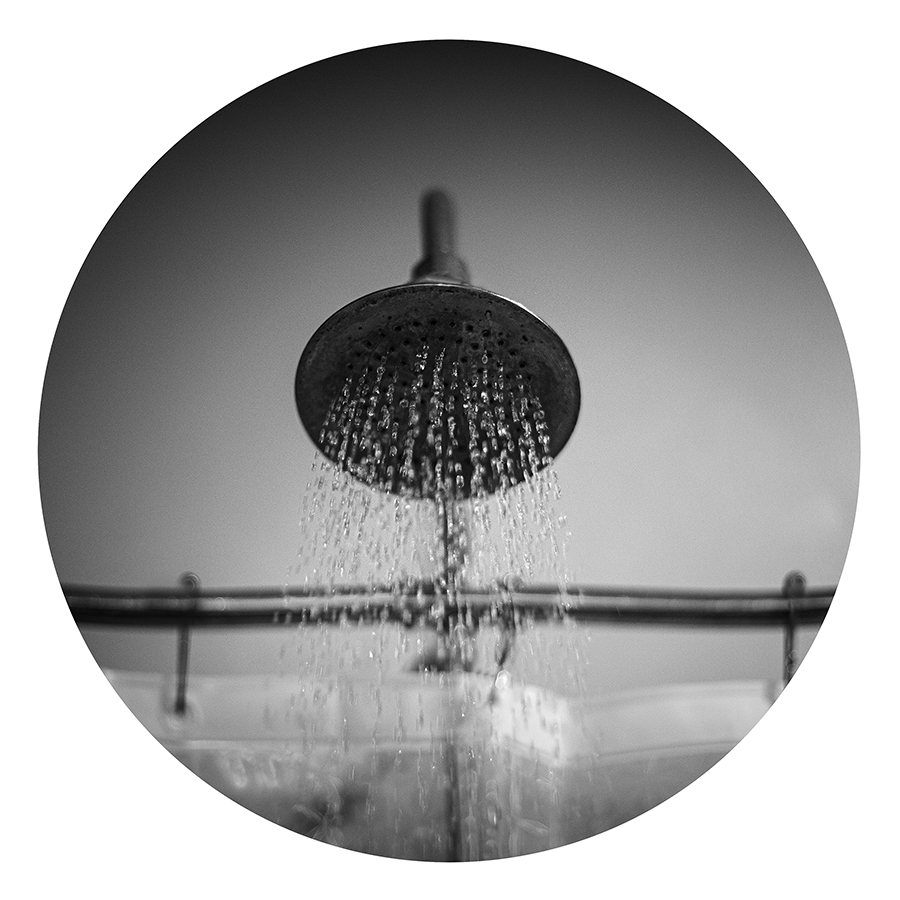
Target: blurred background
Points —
{"points": [[717, 445]]}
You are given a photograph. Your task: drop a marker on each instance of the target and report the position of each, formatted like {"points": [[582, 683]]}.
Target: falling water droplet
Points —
{"points": [[434, 480]]}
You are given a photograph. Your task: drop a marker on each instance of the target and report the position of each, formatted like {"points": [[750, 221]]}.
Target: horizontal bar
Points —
{"points": [[422, 604]]}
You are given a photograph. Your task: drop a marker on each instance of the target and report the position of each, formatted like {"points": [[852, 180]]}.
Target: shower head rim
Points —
{"points": [[324, 358]]}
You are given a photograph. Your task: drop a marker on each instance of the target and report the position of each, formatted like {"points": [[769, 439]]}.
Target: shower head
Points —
{"points": [[437, 387]]}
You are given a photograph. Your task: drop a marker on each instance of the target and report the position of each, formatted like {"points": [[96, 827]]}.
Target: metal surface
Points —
{"points": [[792, 588], [190, 584], [266, 606], [436, 355], [440, 261]]}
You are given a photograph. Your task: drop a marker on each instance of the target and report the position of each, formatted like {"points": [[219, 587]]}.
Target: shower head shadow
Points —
{"points": [[437, 387]]}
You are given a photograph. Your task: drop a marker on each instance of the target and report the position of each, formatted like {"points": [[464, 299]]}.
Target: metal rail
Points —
{"points": [[190, 606], [262, 606]]}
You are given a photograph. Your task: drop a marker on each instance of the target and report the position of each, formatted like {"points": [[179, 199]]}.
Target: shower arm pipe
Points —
{"points": [[440, 262], [262, 606]]}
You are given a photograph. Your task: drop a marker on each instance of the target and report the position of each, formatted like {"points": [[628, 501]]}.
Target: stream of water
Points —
{"points": [[435, 738]]}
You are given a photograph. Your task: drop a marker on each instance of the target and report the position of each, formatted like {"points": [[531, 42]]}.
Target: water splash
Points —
{"points": [[437, 484]]}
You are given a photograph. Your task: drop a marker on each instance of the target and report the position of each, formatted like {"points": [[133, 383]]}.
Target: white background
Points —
{"points": [[804, 96]]}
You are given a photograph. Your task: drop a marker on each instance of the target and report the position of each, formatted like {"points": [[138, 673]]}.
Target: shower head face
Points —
{"points": [[430, 389]]}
